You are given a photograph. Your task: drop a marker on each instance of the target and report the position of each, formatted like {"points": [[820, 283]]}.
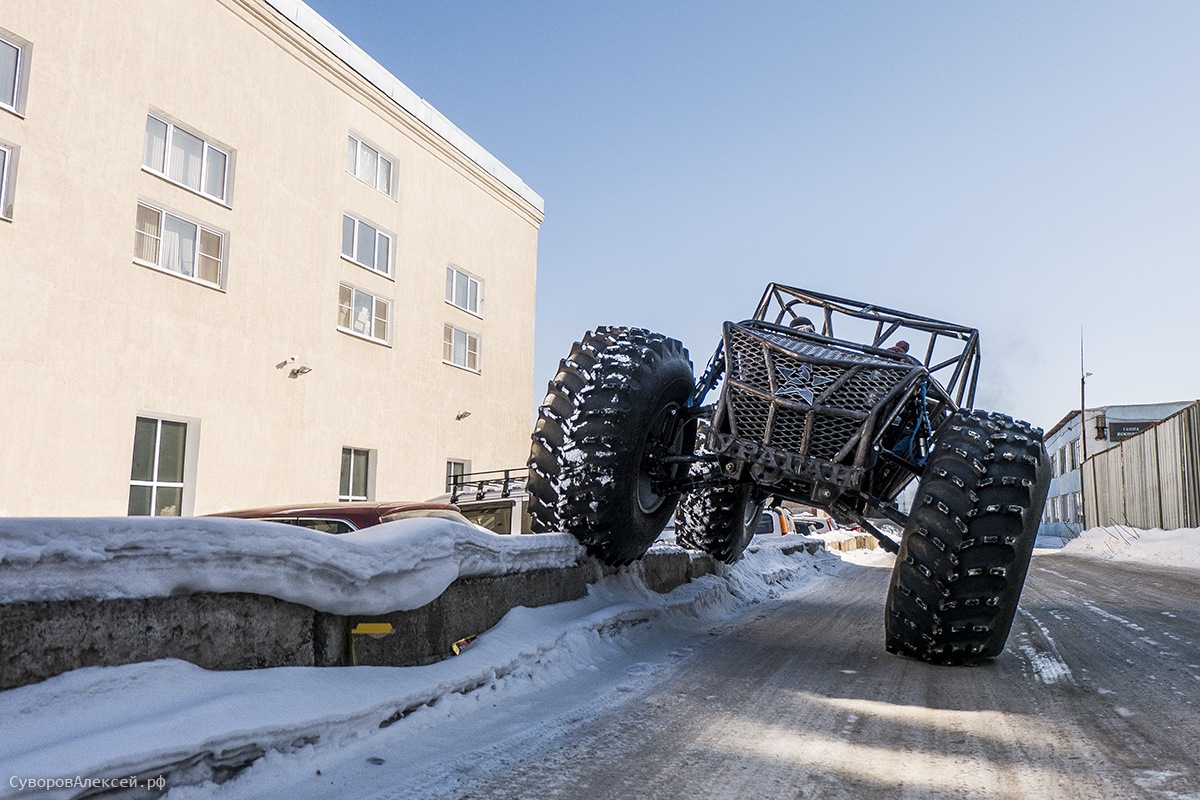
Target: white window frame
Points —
{"points": [[201, 229], [206, 159], [453, 277], [346, 314], [191, 439], [368, 479], [8, 173], [14, 102], [449, 336], [380, 235], [464, 469], [357, 157]]}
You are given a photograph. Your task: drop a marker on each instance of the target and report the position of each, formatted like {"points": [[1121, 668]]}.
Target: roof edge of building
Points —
{"points": [[372, 71]]}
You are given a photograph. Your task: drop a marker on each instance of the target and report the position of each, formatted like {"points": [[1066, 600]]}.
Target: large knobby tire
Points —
{"points": [[720, 520], [612, 403], [968, 541]]}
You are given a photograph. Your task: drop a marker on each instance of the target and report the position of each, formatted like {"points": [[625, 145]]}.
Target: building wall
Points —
{"points": [[91, 340], [1069, 444]]}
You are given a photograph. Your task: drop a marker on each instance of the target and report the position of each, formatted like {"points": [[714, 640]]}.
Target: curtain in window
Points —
{"points": [[363, 312], [345, 302], [149, 234], [210, 257], [368, 163], [9, 58], [381, 320], [179, 246], [187, 158], [383, 182], [154, 151]]}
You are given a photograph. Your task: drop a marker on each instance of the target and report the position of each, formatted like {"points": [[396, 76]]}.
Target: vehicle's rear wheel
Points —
{"points": [[720, 520], [966, 547], [610, 414]]}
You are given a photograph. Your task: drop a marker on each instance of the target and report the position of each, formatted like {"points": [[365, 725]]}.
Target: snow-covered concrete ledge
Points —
{"points": [[398, 566], [235, 594], [173, 721]]}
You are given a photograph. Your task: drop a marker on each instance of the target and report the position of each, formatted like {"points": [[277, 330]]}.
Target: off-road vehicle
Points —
{"points": [[842, 417]]}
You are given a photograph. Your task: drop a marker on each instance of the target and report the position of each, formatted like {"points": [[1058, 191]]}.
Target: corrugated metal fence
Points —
{"points": [[1151, 480]]}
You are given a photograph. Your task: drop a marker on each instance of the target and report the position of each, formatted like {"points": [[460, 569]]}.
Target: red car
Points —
{"points": [[345, 517]]}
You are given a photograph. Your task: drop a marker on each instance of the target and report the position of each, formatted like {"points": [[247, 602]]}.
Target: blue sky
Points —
{"points": [[1027, 168]]}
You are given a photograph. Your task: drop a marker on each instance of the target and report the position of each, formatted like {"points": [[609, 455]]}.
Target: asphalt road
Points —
{"points": [[1094, 697]]}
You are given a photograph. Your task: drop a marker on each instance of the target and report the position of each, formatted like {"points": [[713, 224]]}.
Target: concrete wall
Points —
{"points": [[91, 339], [247, 631]]}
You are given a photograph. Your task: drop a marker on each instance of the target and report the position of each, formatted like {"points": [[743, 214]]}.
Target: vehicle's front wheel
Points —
{"points": [[966, 547], [609, 417]]}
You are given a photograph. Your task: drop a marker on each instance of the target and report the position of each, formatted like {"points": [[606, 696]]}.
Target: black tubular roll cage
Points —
{"points": [[780, 304], [953, 384]]}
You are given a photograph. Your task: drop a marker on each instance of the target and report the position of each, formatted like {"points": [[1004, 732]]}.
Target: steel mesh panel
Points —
{"points": [[830, 434], [792, 377], [750, 415]]}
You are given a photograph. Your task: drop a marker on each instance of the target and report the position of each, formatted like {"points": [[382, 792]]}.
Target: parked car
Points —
{"points": [[495, 500], [775, 522], [345, 517], [811, 523]]}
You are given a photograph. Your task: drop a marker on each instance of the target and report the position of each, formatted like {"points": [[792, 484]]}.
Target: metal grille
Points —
{"points": [[795, 382]]}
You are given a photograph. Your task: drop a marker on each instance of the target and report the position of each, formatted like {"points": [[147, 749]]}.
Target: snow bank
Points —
{"points": [[1177, 548], [149, 718], [394, 567]]}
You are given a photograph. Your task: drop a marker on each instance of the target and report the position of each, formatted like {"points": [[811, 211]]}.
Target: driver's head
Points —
{"points": [[803, 324]]}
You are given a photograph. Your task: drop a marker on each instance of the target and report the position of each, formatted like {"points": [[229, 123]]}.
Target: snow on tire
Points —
{"points": [[970, 534], [719, 520], [611, 404]]}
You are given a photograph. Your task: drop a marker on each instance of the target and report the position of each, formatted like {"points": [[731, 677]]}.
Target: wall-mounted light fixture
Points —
{"points": [[285, 362], [460, 416], [298, 371]]}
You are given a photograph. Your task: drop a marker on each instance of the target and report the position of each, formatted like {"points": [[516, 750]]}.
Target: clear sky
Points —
{"points": [[1027, 168]]}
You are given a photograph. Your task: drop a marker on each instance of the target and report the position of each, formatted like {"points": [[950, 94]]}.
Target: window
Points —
{"points": [[8, 168], [460, 348], [356, 468], [178, 245], [455, 470], [368, 165], [462, 290], [185, 159], [14, 67], [156, 480], [367, 246], [363, 313]]}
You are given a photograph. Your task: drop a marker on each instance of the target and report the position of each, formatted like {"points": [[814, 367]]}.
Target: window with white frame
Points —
{"points": [[366, 245], [186, 159], [356, 469], [368, 164], [172, 243], [455, 469], [460, 348], [462, 290], [14, 64], [156, 481], [7, 161], [363, 314]]}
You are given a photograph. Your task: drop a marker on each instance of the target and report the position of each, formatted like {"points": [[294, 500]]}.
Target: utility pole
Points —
{"points": [[1083, 376]]}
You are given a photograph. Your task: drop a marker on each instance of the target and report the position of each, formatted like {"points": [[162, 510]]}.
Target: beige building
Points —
{"points": [[242, 264]]}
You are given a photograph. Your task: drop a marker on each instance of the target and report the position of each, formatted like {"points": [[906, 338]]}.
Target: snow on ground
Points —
{"points": [[138, 719], [143, 719], [1179, 548]]}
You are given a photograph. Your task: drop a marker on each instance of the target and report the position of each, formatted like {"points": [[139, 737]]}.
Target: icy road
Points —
{"points": [[1095, 697]]}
